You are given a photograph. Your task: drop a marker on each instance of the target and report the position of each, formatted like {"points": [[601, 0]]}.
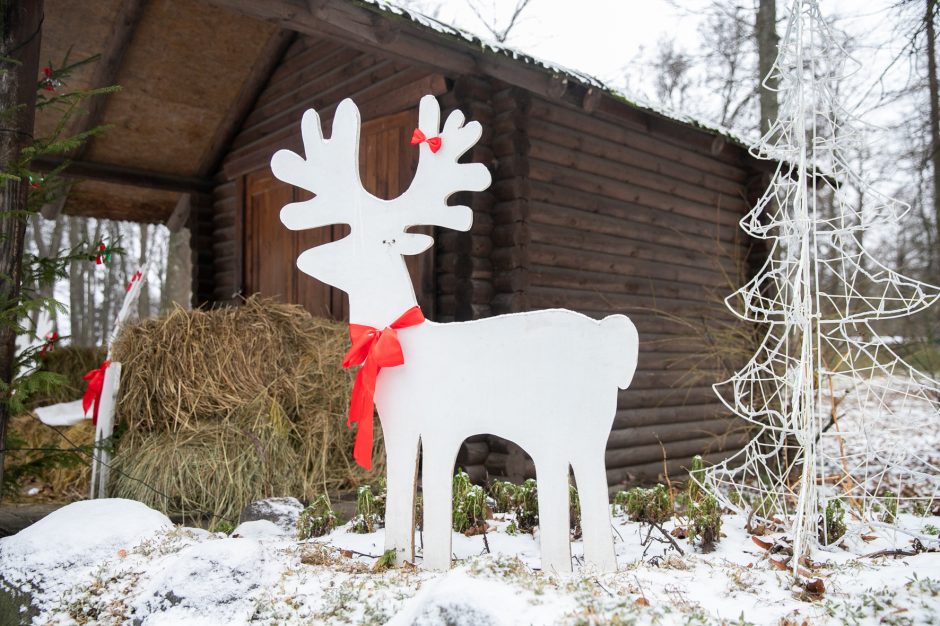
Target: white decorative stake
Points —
{"points": [[103, 384], [546, 380]]}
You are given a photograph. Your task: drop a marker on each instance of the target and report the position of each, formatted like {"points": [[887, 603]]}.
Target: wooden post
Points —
{"points": [[20, 34]]}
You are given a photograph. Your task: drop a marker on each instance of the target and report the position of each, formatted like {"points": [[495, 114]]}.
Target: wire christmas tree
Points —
{"points": [[835, 408]]}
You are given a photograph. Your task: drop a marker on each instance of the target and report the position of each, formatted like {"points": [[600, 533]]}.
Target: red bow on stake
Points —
{"points": [[92, 395], [434, 143], [134, 279], [374, 349], [51, 338]]}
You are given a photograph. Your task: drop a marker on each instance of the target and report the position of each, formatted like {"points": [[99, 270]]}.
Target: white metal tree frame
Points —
{"points": [[835, 408]]}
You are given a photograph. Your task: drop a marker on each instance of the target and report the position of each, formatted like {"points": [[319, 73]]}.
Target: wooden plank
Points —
{"points": [[703, 225], [666, 433], [630, 248], [637, 136], [121, 175], [655, 181], [652, 453], [129, 14], [657, 200], [270, 55], [625, 154], [250, 158], [627, 228]]}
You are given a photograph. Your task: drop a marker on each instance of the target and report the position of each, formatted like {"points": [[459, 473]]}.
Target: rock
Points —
{"points": [[258, 529], [221, 579], [67, 547], [282, 511]]}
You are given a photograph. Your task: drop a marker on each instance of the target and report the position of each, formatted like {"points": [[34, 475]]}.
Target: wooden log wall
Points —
{"points": [[314, 73], [602, 209], [606, 214]]}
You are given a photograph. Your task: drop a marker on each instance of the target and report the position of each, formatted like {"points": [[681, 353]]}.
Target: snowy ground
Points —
{"points": [[116, 561]]}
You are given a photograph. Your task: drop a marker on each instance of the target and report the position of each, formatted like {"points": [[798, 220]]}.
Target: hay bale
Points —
{"points": [[34, 459], [225, 406]]}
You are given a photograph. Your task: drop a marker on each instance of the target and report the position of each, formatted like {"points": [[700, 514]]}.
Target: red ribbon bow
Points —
{"points": [[92, 395], [134, 279], [374, 349], [434, 143], [49, 344]]}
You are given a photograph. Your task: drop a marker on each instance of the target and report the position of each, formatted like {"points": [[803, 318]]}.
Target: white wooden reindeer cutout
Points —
{"points": [[546, 380]]}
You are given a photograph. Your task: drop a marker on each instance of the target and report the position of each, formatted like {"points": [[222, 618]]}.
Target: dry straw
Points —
{"points": [[224, 406]]}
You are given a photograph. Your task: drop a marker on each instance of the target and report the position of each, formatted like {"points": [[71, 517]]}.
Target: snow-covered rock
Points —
{"points": [[258, 529], [214, 582], [73, 542], [282, 511]]}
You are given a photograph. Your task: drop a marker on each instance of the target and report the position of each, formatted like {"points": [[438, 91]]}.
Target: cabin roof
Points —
{"points": [[190, 70]]}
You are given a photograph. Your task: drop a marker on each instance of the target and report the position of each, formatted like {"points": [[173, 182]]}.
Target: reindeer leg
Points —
{"points": [[552, 477], [437, 488], [401, 450], [591, 477]]}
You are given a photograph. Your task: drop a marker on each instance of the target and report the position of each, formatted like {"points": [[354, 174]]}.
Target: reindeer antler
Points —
{"points": [[439, 175], [330, 169]]}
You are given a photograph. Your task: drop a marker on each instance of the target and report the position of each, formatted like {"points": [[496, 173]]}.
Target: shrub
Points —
{"points": [[317, 519], [469, 504], [367, 518], [650, 506], [833, 526], [705, 521]]}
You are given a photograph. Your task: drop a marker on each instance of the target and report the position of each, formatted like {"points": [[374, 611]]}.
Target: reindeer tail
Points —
{"points": [[624, 342]]}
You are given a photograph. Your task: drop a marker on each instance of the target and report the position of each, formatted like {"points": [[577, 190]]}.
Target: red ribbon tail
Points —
{"points": [[361, 410]]}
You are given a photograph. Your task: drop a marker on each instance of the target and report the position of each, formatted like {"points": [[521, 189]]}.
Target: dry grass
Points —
{"points": [[59, 476], [224, 406]]}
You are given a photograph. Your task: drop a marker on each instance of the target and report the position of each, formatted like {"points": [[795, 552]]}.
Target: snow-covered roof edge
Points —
{"points": [[468, 38]]}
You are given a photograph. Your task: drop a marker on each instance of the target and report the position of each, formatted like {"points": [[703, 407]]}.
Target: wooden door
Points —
{"points": [[387, 163]]}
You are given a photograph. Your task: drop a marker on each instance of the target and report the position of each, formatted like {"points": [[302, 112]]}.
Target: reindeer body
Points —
{"points": [[521, 377], [546, 380]]}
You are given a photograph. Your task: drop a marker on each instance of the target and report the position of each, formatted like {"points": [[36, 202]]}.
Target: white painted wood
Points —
{"points": [[104, 429], [546, 380]]}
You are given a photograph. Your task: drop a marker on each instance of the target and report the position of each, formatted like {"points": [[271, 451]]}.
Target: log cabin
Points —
{"points": [[599, 203]]}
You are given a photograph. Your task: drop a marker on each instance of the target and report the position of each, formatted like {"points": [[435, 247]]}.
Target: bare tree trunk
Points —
{"points": [[932, 91], [767, 42], [20, 35], [143, 304], [76, 283], [177, 288]]}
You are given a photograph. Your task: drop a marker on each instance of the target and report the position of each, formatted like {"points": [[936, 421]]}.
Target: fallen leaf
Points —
{"points": [[122, 553], [641, 601], [346, 553], [781, 565], [815, 587], [679, 532], [869, 537], [766, 545]]}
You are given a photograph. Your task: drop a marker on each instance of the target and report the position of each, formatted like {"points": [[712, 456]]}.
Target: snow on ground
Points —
{"points": [[115, 561]]}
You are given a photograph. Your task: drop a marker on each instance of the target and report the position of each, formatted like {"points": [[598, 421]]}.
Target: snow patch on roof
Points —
{"points": [[447, 30]]}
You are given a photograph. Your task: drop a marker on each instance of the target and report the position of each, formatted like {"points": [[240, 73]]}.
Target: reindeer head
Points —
{"points": [[373, 251]]}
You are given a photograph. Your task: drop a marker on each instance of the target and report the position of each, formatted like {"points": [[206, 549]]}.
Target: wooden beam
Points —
{"points": [[133, 177], [251, 89], [180, 214], [356, 26], [108, 67]]}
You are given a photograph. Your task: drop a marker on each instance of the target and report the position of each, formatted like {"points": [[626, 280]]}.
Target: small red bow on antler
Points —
{"points": [[92, 395], [374, 349], [434, 143], [50, 338], [134, 279]]}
